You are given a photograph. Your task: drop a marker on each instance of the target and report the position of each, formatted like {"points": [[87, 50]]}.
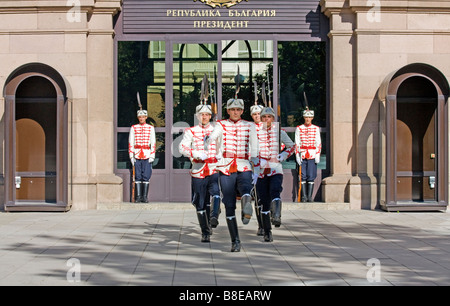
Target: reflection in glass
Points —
{"points": [[179, 161], [123, 158], [141, 68], [190, 63], [255, 61], [160, 155], [302, 69]]}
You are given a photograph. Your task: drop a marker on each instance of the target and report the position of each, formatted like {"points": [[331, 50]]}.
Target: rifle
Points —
{"points": [[263, 94], [133, 187], [206, 90], [213, 106], [268, 88], [300, 166], [238, 83], [213, 97], [255, 86], [258, 212], [278, 109]]}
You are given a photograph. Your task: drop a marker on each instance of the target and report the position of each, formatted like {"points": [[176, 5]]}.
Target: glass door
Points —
{"points": [[168, 75], [191, 61], [141, 70], [254, 58]]}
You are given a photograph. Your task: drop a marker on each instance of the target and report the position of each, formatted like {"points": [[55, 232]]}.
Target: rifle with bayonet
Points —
{"points": [[133, 187]]}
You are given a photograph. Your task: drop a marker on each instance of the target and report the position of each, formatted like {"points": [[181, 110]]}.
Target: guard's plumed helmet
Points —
{"points": [[256, 109], [142, 112], [267, 111], [203, 108], [235, 103], [308, 113]]}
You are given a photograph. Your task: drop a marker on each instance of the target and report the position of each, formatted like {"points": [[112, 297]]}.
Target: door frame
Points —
{"points": [[12, 84], [395, 81], [179, 177]]}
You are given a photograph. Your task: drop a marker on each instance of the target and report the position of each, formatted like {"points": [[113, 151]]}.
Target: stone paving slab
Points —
{"points": [[161, 247]]}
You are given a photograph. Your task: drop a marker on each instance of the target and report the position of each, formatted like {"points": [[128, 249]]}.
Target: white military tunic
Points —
{"points": [[269, 150], [142, 142], [308, 143], [238, 143], [193, 144]]}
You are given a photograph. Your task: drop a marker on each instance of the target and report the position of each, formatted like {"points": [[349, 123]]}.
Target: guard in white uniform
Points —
{"points": [[255, 112], [308, 148], [238, 143], [270, 179], [204, 177], [141, 149]]}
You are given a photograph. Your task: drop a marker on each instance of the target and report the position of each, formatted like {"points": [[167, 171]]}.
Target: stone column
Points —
{"points": [[335, 188], [100, 107]]}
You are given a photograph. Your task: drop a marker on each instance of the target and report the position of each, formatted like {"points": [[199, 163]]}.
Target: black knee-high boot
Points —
{"points": [[234, 234], [215, 212], [208, 217], [260, 231], [275, 206], [304, 192], [204, 226], [145, 192], [265, 216], [310, 191], [138, 195]]}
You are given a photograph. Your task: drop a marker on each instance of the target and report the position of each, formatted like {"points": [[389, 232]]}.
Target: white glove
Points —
{"points": [[299, 160], [199, 155], [133, 160], [317, 159], [254, 160], [282, 156], [150, 160], [263, 163], [255, 177]]}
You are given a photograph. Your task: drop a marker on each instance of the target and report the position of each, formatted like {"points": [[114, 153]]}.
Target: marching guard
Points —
{"points": [[255, 112], [204, 177], [141, 149], [308, 148], [270, 179], [237, 140]]}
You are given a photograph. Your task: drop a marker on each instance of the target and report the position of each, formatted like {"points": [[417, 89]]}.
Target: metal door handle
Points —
{"points": [[18, 181], [432, 181]]}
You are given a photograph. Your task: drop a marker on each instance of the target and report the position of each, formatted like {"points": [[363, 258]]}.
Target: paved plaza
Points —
{"points": [[160, 246]]}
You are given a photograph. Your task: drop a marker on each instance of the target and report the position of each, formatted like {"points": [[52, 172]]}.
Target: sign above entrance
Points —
{"points": [[221, 16], [220, 3]]}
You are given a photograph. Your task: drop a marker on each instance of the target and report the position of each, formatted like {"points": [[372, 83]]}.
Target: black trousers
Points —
{"points": [[268, 189], [203, 189]]}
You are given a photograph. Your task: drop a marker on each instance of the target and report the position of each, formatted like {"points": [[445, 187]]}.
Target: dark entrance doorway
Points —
{"points": [[416, 140], [168, 76], [416, 131], [36, 153], [35, 141]]}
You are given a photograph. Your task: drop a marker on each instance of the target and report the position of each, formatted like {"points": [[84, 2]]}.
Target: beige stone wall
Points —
{"points": [[81, 50], [367, 43]]}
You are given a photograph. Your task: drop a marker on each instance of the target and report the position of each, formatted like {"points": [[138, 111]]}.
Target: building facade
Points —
{"points": [[375, 72]]}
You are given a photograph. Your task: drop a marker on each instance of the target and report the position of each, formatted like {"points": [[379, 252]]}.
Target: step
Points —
{"points": [[185, 205]]}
